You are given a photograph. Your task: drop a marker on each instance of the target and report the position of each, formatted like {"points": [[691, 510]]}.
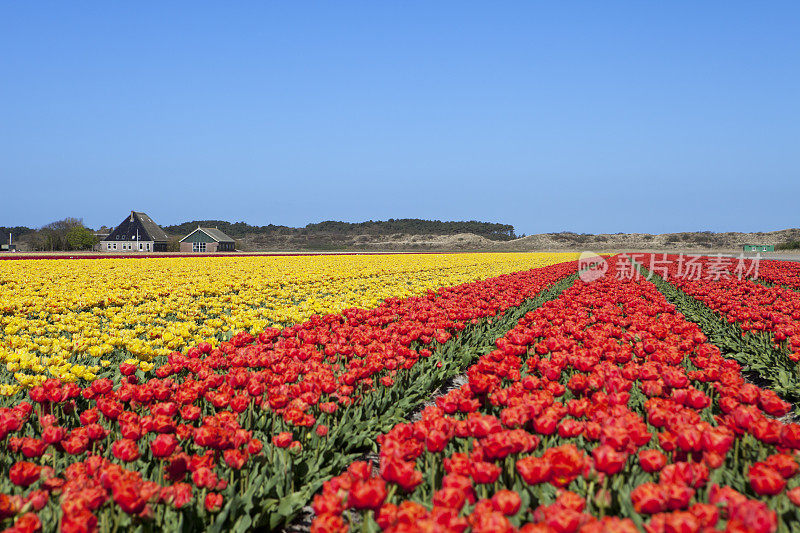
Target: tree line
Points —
{"points": [[62, 235], [411, 226], [71, 234], [416, 226], [232, 229]]}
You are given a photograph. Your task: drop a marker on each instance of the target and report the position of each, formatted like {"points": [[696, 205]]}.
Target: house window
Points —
{"points": [[140, 246], [198, 247], [148, 246]]}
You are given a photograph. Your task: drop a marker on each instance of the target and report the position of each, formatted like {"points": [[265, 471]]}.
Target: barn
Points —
{"points": [[207, 240], [137, 233]]}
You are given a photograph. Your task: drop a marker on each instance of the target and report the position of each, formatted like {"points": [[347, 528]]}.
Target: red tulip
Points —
{"points": [[765, 480], [707, 515], [282, 440], [163, 445], [484, 473], [204, 477], [607, 460], [450, 497], [784, 464], [125, 450], [368, 494], [649, 498], [24, 474], [213, 502], [794, 495], [533, 469], [507, 502], [652, 460], [235, 459]]}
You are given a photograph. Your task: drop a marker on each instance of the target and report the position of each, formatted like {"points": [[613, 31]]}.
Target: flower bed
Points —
{"points": [[786, 273], [603, 410], [243, 434], [752, 323], [75, 320], [752, 306]]}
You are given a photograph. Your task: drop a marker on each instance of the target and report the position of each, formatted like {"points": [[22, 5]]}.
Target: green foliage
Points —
{"points": [[235, 229], [788, 245], [173, 244], [489, 230], [80, 238], [413, 226], [16, 232], [53, 236]]}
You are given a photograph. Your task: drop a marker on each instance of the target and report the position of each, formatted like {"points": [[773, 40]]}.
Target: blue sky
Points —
{"points": [[551, 116]]}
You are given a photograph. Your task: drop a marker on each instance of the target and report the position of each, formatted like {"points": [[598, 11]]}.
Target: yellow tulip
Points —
{"points": [[103, 311]]}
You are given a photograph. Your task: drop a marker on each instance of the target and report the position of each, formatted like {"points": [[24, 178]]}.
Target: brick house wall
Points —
{"points": [[196, 248]]}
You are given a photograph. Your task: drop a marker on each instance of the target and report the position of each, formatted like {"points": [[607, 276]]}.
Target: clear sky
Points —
{"points": [[590, 117]]}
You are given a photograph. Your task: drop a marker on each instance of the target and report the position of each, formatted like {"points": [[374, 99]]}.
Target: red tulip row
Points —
{"points": [[766, 360], [785, 273], [752, 306], [603, 410], [241, 435]]}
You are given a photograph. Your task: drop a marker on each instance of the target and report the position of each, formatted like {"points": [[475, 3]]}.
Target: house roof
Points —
{"points": [[155, 231], [214, 233], [137, 225]]}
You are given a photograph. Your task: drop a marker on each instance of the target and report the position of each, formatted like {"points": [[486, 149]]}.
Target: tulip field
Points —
{"points": [[441, 392], [70, 319]]}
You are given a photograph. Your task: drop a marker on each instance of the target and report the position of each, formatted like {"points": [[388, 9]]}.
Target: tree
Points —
{"points": [[54, 235], [80, 238]]}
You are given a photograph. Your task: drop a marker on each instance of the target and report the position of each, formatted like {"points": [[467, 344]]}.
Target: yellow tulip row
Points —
{"points": [[70, 318]]}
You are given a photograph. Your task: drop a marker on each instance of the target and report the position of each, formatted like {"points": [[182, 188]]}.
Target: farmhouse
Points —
{"points": [[207, 240], [137, 233]]}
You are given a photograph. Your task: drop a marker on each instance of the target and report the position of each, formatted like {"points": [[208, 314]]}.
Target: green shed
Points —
{"points": [[759, 248]]}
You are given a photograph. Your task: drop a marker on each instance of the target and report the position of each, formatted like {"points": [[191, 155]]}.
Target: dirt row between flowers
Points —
{"points": [[603, 410], [242, 436]]}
